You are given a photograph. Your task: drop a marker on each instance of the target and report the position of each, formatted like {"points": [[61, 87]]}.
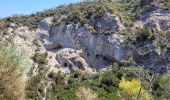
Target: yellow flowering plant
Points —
{"points": [[131, 90]]}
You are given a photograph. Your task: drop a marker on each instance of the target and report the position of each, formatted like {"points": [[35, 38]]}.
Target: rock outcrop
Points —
{"points": [[46, 23], [76, 46], [100, 50], [72, 59], [158, 20]]}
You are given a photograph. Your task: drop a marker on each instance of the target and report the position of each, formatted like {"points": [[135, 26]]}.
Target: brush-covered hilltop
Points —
{"points": [[92, 50]]}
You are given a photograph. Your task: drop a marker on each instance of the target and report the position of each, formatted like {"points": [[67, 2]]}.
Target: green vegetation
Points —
{"points": [[144, 34], [160, 86], [12, 83], [33, 88], [40, 58], [127, 10], [120, 82], [131, 90], [103, 86]]}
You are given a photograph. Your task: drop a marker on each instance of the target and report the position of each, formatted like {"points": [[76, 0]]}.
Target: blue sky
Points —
{"points": [[10, 7]]}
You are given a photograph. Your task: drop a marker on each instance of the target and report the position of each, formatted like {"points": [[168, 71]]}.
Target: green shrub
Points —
{"points": [[40, 58], [109, 79], [160, 86], [32, 88], [58, 78], [67, 95], [105, 84], [144, 34]]}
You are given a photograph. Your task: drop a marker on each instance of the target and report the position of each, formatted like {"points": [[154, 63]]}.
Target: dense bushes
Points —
{"points": [[127, 10], [12, 83], [144, 35], [160, 86], [113, 84], [79, 12], [33, 87]]}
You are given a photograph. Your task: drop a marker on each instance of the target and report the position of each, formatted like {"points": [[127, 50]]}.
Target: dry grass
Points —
{"points": [[2, 23], [12, 84], [86, 94]]}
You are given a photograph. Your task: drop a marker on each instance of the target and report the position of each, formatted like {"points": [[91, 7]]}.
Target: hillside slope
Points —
{"points": [[91, 37]]}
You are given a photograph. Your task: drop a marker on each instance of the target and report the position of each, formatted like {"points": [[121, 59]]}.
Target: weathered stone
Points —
{"points": [[46, 23], [111, 46], [107, 24], [82, 49], [70, 58], [12, 25], [157, 19]]}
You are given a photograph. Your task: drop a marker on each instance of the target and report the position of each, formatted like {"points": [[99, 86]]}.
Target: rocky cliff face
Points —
{"points": [[98, 50], [101, 50], [82, 46]]}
